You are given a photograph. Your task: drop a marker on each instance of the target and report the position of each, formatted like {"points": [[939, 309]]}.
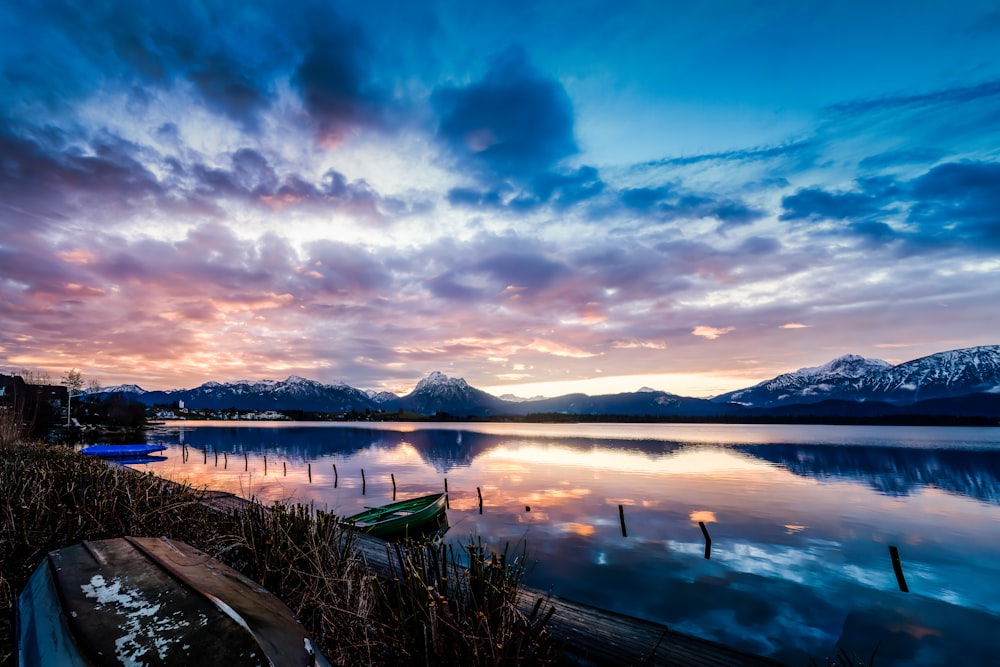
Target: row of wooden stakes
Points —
{"points": [[893, 551]]}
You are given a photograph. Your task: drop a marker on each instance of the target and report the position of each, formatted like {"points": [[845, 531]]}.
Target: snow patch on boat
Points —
{"points": [[143, 630]]}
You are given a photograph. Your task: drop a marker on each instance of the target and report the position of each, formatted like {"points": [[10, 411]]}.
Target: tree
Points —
{"points": [[31, 376], [74, 383], [94, 396]]}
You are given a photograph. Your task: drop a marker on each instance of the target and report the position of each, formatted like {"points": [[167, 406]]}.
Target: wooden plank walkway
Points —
{"points": [[589, 635]]}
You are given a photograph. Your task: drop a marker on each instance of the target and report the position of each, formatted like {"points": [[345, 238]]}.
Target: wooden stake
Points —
{"points": [[362, 481], [708, 540], [393, 477], [480, 494], [897, 567], [621, 517], [284, 467], [335, 475], [205, 452], [246, 461], [265, 465], [446, 504]]}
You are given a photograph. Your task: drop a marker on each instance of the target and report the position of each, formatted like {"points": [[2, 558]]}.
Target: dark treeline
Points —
{"points": [[884, 420], [571, 418]]}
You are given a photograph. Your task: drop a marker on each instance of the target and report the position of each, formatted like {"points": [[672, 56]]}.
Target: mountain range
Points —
{"points": [[963, 382]]}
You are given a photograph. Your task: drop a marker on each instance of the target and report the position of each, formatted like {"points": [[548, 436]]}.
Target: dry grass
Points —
{"points": [[10, 425], [460, 610], [433, 611]]}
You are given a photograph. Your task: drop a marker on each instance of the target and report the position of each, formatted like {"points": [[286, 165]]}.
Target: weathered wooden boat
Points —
{"points": [[403, 518], [119, 451], [152, 601]]}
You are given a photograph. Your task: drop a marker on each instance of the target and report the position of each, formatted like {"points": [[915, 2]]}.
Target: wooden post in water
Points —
{"points": [[446, 504], [310, 473], [265, 465], [225, 460], [480, 494], [393, 477], [708, 540], [621, 517], [246, 462], [335, 475], [216, 457], [897, 567], [362, 481], [205, 453], [284, 467]]}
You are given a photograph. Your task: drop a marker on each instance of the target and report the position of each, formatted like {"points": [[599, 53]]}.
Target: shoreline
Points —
{"points": [[559, 418], [590, 635], [586, 634]]}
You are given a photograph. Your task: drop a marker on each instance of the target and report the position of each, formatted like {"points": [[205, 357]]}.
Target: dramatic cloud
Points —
{"points": [[814, 202], [333, 79], [948, 96], [959, 202], [758, 153], [952, 203], [515, 122], [201, 191], [665, 203], [902, 157], [711, 333]]}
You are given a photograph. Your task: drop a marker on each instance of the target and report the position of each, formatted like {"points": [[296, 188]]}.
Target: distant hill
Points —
{"points": [[294, 393], [974, 370], [958, 383], [972, 405], [639, 403]]}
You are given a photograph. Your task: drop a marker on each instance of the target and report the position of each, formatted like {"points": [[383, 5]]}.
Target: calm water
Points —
{"points": [[800, 519]]}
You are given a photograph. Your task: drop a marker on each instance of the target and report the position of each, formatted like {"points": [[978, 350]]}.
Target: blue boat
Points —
{"points": [[120, 451]]}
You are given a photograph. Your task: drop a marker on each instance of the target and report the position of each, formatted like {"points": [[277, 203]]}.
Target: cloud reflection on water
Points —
{"points": [[799, 531]]}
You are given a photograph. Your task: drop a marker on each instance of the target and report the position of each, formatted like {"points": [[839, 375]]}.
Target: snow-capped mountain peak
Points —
{"points": [[437, 380], [513, 398], [121, 389], [849, 366], [381, 397], [855, 378], [439, 393]]}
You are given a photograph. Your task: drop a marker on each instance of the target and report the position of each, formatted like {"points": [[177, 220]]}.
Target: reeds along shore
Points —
{"points": [[433, 610]]}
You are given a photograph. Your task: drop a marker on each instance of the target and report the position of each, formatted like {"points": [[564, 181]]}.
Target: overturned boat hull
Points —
{"points": [[147, 601]]}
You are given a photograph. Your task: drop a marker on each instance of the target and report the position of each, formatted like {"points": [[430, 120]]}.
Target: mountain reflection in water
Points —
{"points": [[800, 519], [891, 471]]}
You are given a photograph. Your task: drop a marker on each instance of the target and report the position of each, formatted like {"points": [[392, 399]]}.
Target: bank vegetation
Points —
{"points": [[439, 607]]}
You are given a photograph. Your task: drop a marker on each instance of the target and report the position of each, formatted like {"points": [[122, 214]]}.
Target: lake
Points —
{"points": [[800, 517]]}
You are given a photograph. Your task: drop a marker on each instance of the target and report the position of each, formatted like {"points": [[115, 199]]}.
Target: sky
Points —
{"points": [[540, 197]]}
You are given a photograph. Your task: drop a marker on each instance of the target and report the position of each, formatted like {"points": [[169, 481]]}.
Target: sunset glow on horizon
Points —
{"points": [[540, 198]]}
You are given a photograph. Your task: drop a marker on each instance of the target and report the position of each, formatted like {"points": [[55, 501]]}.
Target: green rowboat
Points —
{"points": [[400, 519]]}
